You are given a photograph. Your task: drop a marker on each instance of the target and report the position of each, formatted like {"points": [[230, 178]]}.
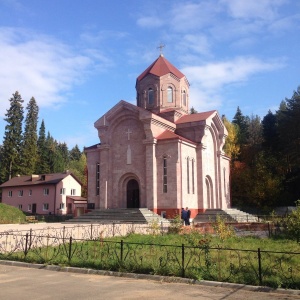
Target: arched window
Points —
{"points": [[98, 179], [150, 96], [165, 178], [170, 95], [183, 98], [188, 174]]}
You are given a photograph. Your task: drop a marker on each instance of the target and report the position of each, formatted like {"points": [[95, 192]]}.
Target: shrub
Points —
{"points": [[223, 230], [293, 223]]}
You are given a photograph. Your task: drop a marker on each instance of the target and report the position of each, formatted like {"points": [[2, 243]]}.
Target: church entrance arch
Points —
{"points": [[133, 194]]}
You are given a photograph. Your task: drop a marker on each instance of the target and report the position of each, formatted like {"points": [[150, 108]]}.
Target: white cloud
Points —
{"points": [[262, 9], [38, 66], [150, 22], [208, 81]]}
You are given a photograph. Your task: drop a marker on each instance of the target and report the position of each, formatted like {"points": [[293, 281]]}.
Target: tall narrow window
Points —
{"points": [[9, 193], [98, 179], [150, 96], [165, 178], [224, 178], [183, 98], [73, 192], [63, 191], [46, 192], [188, 174], [20, 193], [170, 94], [193, 176]]}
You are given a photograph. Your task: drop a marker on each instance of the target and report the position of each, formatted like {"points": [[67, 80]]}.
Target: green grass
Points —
{"points": [[205, 257], [10, 215]]}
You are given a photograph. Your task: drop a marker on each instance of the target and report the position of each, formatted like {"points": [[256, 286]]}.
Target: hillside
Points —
{"points": [[10, 214]]}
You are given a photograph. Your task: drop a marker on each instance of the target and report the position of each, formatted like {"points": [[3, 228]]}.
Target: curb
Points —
{"points": [[166, 279]]}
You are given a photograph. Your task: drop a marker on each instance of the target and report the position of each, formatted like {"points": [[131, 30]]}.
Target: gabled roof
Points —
{"points": [[161, 67], [27, 180], [169, 135], [195, 117]]}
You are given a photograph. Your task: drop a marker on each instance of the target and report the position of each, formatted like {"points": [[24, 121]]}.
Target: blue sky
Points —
{"points": [[79, 58]]}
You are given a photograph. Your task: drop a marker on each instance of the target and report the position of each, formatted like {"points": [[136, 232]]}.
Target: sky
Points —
{"points": [[80, 58]]}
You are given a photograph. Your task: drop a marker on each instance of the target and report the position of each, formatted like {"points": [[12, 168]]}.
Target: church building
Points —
{"points": [[155, 154]]}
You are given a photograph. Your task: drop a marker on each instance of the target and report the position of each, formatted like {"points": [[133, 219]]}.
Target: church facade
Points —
{"points": [[155, 154]]}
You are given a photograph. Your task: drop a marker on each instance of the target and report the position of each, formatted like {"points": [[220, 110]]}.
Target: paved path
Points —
{"points": [[31, 283], [25, 281]]}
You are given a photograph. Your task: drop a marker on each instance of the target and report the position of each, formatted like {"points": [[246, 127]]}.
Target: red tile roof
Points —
{"points": [[169, 135], [37, 180], [195, 117], [161, 67]]}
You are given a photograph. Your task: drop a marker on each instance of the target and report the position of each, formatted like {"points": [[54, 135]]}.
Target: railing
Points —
{"points": [[255, 267]]}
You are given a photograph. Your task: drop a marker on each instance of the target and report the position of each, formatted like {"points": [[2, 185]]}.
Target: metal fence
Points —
{"points": [[90, 248]]}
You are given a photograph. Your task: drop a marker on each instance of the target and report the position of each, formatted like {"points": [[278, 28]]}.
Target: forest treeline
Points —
{"points": [[265, 153], [265, 156], [26, 150]]}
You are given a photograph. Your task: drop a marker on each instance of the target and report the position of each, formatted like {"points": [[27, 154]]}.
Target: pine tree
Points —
{"points": [[42, 166], [75, 153], [242, 122], [29, 148], [11, 164]]}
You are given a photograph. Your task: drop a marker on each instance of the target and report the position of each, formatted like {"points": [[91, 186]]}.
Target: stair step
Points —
{"points": [[119, 215]]}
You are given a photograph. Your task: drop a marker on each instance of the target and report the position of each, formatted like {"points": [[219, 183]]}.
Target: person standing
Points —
{"points": [[188, 215], [184, 216]]}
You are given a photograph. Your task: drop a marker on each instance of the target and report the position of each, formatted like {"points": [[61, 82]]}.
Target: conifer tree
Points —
{"points": [[42, 166], [75, 153], [11, 164], [242, 123], [29, 148]]}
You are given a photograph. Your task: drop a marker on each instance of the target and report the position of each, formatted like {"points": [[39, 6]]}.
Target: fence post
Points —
{"points": [[259, 266], [91, 231], [26, 245], [64, 233], [122, 251], [182, 261], [113, 233], [70, 250]]}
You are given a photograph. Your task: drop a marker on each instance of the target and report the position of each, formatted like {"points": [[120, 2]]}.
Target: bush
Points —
{"points": [[293, 223]]}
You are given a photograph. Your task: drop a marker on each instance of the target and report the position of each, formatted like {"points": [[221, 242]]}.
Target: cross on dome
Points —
{"points": [[160, 47]]}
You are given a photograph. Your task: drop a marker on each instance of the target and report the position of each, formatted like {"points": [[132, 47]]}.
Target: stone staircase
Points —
{"points": [[119, 215], [230, 215]]}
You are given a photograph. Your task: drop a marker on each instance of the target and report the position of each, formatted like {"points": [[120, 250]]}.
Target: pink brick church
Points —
{"points": [[155, 154]]}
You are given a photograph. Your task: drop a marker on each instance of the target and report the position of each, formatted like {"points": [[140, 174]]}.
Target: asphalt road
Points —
{"points": [[32, 283]]}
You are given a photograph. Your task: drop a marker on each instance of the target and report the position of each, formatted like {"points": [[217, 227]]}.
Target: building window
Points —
{"points": [[150, 96], [46, 192], [224, 178], [20, 206], [183, 98], [165, 178], [193, 176], [46, 206], [98, 179], [29, 207], [170, 95], [73, 192], [63, 191], [9, 193], [20, 193], [188, 174], [61, 206], [30, 192]]}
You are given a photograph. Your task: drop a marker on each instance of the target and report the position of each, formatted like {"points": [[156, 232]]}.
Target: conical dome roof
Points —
{"points": [[161, 66]]}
